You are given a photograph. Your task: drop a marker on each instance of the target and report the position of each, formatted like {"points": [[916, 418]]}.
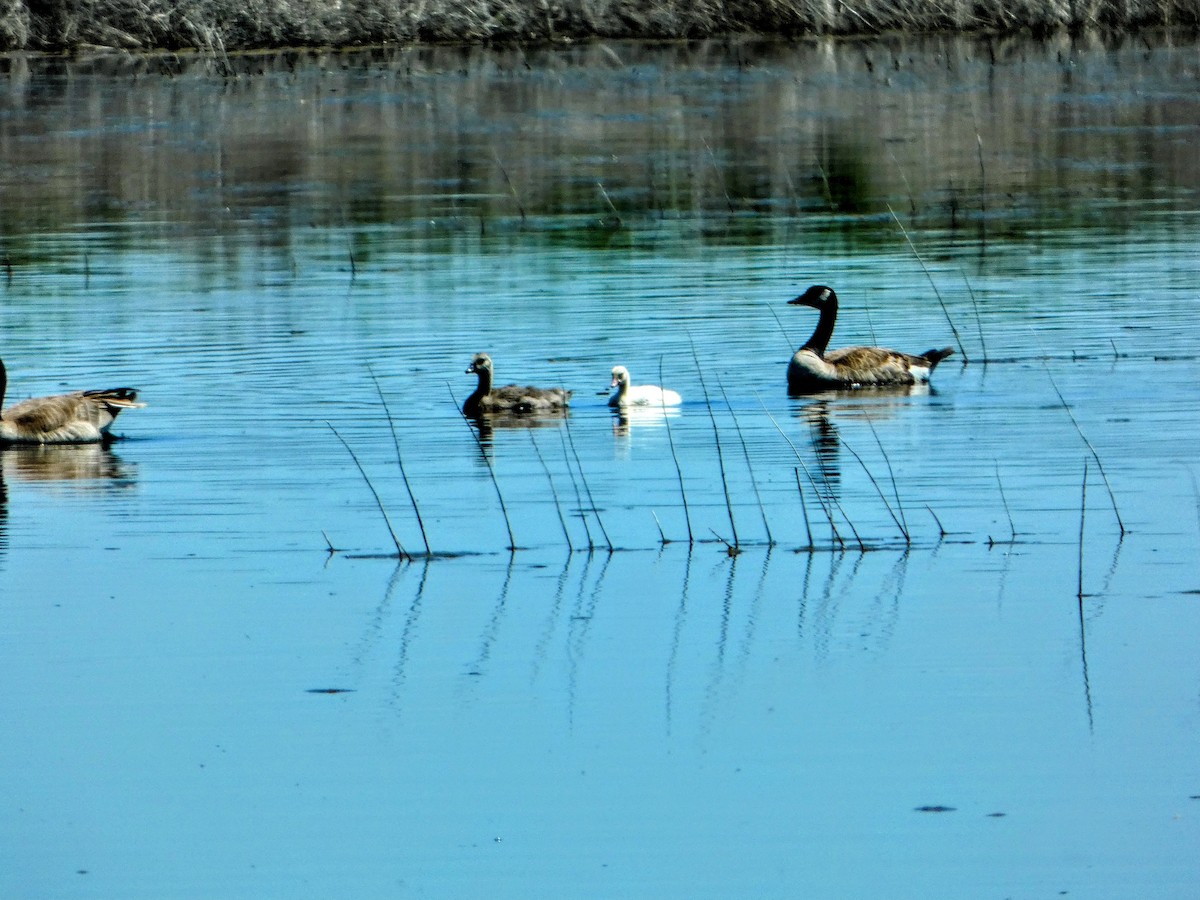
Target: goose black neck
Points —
{"points": [[3, 386], [824, 330], [471, 405]]}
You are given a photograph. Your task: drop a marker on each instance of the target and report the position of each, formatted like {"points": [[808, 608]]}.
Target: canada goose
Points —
{"points": [[812, 369], [641, 395], [82, 417], [511, 399]]}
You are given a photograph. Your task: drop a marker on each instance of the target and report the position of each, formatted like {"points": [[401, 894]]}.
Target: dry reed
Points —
{"points": [[374, 493], [222, 26]]}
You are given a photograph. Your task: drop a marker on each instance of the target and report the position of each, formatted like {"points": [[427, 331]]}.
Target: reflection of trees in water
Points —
{"points": [[696, 114]]}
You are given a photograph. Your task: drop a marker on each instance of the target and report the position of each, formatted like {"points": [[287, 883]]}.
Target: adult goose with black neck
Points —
{"points": [[814, 368], [81, 417]]}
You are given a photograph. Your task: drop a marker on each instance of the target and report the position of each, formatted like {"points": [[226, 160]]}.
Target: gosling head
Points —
{"points": [[620, 376], [481, 363], [818, 297]]}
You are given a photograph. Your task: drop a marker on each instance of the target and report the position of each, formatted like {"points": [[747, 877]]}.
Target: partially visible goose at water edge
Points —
{"points": [[813, 369], [82, 417], [511, 399], [628, 394]]}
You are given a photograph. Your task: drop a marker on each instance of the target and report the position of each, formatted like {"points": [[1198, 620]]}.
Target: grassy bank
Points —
{"points": [[249, 24]]}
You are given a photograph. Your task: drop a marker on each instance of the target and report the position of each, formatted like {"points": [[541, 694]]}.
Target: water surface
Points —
{"points": [[221, 680]]}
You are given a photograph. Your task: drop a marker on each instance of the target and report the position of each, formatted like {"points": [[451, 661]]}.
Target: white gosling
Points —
{"points": [[628, 394], [511, 399], [813, 369], [82, 417]]}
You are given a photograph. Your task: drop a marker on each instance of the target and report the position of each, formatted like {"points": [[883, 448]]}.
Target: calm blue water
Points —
{"points": [[202, 700]]}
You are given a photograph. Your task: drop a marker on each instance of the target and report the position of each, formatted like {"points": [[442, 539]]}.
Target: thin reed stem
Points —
{"points": [[717, 441], [412, 498], [978, 318], [816, 489], [982, 178], [591, 544], [374, 493], [586, 488], [803, 507], [1096, 456], [1082, 514], [553, 493], [749, 468], [936, 292], [662, 538], [879, 491], [512, 540], [1004, 500], [892, 476], [608, 200], [731, 549], [941, 528], [328, 543], [720, 177], [512, 187], [779, 322], [687, 517]]}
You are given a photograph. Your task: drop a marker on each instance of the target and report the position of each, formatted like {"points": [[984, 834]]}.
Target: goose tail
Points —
{"points": [[936, 356]]}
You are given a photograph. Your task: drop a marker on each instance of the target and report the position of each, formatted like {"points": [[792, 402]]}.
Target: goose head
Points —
{"points": [[818, 297], [620, 377], [480, 364]]}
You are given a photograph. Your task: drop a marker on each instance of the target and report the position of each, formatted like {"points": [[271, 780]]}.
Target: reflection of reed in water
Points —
{"points": [[86, 466]]}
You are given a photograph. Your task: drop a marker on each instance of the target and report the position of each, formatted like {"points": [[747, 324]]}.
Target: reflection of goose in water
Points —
{"points": [[511, 399], [813, 369], [825, 442], [488, 425], [64, 463], [819, 412], [627, 418], [77, 418], [627, 394]]}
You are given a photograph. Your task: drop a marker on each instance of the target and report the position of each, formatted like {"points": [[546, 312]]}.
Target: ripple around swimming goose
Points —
{"points": [[81, 417], [628, 394], [511, 399], [813, 369]]}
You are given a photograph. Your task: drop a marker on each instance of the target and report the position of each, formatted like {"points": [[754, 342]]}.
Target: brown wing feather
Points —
{"points": [[513, 397], [874, 365], [45, 414]]}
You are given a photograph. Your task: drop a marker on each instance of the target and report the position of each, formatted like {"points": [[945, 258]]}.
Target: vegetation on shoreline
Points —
{"points": [[226, 25]]}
